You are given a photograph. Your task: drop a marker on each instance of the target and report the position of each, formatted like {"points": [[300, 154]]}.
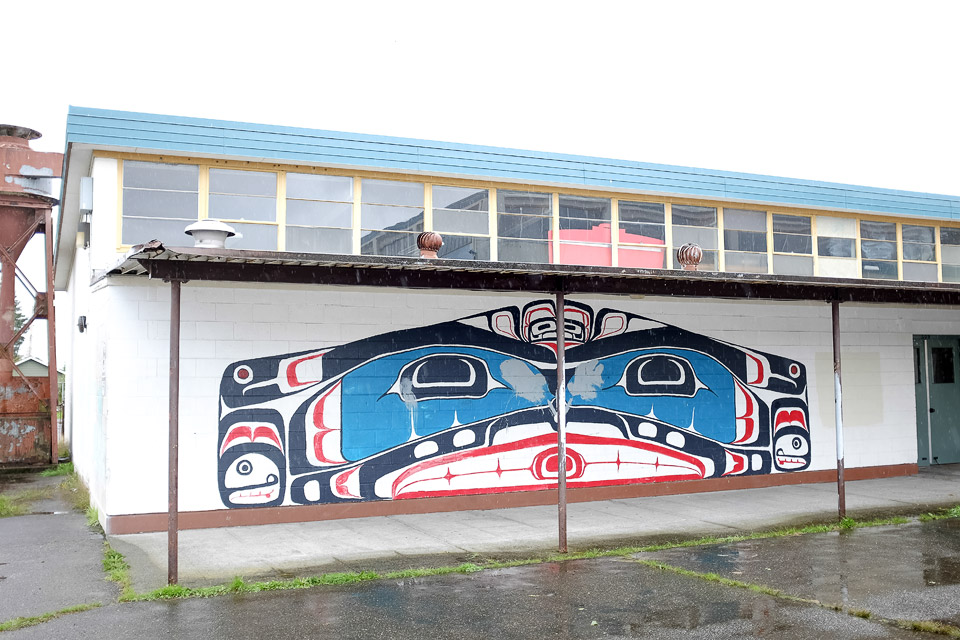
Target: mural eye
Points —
{"points": [[660, 374], [794, 370], [797, 443], [243, 374], [244, 468], [444, 376]]}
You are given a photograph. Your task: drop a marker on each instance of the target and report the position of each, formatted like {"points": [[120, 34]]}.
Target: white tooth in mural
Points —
{"points": [[464, 438], [757, 461], [594, 429], [522, 432], [427, 448], [676, 439], [311, 491], [456, 422], [647, 430]]}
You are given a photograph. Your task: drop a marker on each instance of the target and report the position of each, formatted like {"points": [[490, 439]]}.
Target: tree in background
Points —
{"points": [[18, 321]]}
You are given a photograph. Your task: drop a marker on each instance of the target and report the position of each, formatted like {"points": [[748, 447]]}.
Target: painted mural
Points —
{"points": [[470, 407]]}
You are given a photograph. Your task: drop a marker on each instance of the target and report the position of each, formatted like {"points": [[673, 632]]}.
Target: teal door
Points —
{"points": [[937, 378]]}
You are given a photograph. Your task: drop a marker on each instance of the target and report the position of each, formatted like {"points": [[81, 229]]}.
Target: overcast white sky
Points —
{"points": [[862, 92], [857, 92]]}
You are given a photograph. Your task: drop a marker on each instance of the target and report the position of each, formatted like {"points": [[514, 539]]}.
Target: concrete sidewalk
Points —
{"points": [[210, 556]]}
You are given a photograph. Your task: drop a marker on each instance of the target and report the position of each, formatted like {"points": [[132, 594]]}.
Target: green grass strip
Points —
{"points": [[117, 570], [62, 469], [943, 514], [23, 622], [929, 626]]}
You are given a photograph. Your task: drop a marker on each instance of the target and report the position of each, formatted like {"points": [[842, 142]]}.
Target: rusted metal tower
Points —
{"points": [[28, 405]]}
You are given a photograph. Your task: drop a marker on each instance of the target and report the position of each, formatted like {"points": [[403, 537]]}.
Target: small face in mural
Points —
{"points": [[470, 407]]}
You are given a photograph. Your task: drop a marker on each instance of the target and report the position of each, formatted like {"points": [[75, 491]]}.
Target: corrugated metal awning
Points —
{"points": [[154, 260]]}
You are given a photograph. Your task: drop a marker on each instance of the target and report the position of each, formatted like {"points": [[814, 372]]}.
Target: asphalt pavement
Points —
{"points": [[214, 556], [908, 572]]}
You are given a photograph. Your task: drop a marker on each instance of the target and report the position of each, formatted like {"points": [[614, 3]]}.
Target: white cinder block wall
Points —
{"points": [[224, 323]]}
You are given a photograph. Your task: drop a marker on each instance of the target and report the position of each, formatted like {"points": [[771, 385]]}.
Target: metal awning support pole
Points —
{"points": [[173, 506], [561, 426], [838, 401]]}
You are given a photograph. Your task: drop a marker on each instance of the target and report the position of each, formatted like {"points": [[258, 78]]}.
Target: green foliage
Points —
{"points": [[117, 570], [62, 469], [18, 321], [18, 503], [10, 507], [23, 622], [952, 512]]}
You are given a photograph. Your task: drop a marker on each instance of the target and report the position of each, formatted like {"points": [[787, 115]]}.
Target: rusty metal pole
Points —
{"points": [[838, 402], [52, 342], [173, 506], [561, 426]]}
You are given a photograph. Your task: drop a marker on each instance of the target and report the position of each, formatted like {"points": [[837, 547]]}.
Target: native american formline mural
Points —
{"points": [[469, 407]]}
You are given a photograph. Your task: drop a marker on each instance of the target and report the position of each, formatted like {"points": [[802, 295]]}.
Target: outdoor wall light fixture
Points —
{"points": [[82, 323]]}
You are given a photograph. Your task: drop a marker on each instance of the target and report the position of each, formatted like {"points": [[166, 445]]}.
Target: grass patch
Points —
{"points": [[117, 570], [62, 469], [929, 626], [729, 582], [17, 503], [23, 622], [942, 514], [74, 492]]}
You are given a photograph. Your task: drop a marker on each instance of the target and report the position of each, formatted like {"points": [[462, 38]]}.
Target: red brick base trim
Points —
{"points": [[139, 523]]}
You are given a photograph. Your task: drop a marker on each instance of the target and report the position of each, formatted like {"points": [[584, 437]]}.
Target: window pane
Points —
{"points": [[793, 265], [746, 262], [942, 360], [307, 186], [914, 233], [516, 226], [949, 236], [638, 233], [596, 209], [919, 272], [168, 231], [694, 216], [785, 243], [524, 203], [588, 254], [261, 237], [744, 220], [791, 224], [158, 175], [951, 273], [642, 257], [745, 241], [250, 183], [838, 268], [160, 204], [836, 247], [313, 240], [836, 227], [464, 248], [377, 216], [880, 269], [878, 250], [313, 213], [461, 221], [642, 212], [706, 238], [389, 243], [878, 230], [230, 207], [392, 192], [523, 250], [461, 198], [925, 252]]}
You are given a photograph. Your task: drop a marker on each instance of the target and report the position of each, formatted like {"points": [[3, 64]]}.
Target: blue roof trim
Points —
{"points": [[183, 136]]}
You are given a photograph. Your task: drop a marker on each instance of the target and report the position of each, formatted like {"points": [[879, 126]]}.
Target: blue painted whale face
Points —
{"points": [[470, 406]]}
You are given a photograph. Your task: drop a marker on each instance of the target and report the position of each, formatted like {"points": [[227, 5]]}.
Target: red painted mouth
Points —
{"points": [[532, 464]]}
